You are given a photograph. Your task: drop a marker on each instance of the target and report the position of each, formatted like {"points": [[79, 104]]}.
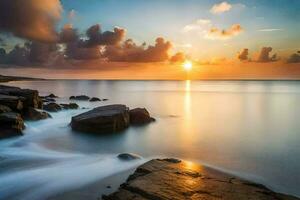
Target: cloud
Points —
{"points": [[215, 61], [30, 19], [223, 34], [243, 55], [130, 52], [294, 58], [264, 55], [96, 37], [221, 8], [270, 30], [199, 25], [178, 57]]}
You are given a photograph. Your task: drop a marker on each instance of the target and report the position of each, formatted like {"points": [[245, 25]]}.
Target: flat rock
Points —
{"points": [[164, 179], [104, 119], [80, 98], [128, 156], [69, 106], [52, 107], [33, 114], [139, 116], [11, 124]]}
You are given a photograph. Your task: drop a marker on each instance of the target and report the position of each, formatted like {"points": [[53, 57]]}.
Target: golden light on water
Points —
{"points": [[187, 65]]}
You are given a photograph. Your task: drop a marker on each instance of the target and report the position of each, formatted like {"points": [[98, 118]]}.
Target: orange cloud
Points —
{"points": [[219, 34], [31, 19], [243, 55], [221, 8], [264, 55], [294, 58]]}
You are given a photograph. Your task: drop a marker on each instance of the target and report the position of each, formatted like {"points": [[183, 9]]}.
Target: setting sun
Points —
{"points": [[187, 65]]}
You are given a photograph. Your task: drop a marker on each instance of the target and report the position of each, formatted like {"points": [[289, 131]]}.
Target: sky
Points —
{"points": [[135, 39]]}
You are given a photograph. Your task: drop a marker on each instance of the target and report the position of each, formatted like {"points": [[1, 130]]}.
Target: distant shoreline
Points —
{"points": [[5, 79]]}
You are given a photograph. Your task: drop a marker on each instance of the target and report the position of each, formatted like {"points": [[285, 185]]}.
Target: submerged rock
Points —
{"points": [[52, 107], [4, 109], [128, 156], [11, 124], [69, 106], [140, 116], [51, 96], [80, 98], [33, 114], [104, 119], [164, 179], [95, 99]]}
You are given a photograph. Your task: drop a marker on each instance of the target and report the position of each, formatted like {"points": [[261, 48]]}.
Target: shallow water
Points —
{"points": [[250, 128]]}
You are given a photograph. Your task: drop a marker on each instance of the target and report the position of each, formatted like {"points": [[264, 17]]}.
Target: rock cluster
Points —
{"points": [[109, 119], [172, 179], [16, 104]]}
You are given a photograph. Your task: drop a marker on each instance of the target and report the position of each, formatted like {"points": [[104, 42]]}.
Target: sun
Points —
{"points": [[187, 65]]}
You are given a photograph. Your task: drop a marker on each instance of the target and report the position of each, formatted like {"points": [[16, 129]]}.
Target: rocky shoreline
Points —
{"points": [[17, 105], [173, 179]]}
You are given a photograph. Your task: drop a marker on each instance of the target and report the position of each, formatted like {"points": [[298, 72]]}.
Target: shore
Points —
{"points": [[4, 79], [174, 179]]}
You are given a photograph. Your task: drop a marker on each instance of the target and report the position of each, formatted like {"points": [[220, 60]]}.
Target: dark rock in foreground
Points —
{"points": [[69, 106], [13, 102], [4, 109], [11, 124], [164, 179], [104, 119], [140, 116], [33, 114], [52, 107], [80, 98], [128, 156], [95, 99], [31, 97]]}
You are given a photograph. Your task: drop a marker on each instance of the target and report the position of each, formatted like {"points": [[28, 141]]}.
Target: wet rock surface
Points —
{"points": [[104, 119], [11, 124], [80, 98], [140, 116], [69, 106], [34, 115], [128, 156], [52, 107], [13, 102], [94, 99], [172, 179], [4, 109]]}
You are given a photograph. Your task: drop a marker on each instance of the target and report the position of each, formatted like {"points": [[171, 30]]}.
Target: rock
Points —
{"points": [[104, 119], [95, 99], [13, 102], [140, 116], [4, 109], [51, 96], [80, 98], [164, 180], [49, 100], [104, 99], [31, 97], [33, 114], [11, 124], [128, 156], [52, 107], [69, 106]]}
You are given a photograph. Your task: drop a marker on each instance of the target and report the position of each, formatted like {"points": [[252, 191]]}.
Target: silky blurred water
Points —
{"points": [[250, 128]]}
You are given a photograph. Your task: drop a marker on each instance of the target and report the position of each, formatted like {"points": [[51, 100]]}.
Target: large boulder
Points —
{"points": [[13, 102], [104, 119], [128, 156], [33, 114], [4, 109], [139, 116], [31, 97], [80, 98], [164, 179], [52, 107], [69, 106], [11, 124]]}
